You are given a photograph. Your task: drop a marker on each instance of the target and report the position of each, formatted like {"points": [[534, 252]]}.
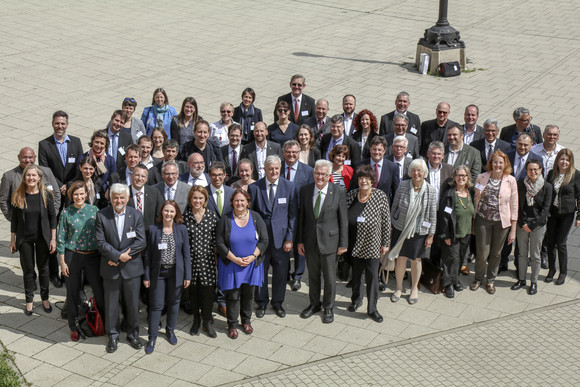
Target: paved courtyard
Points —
{"points": [[85, 57]]}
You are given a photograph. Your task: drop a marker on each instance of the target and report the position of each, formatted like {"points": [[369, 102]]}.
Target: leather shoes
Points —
{"points": [[308, 312], [112, 345], [518, 285], [280, 312], [549, 276], [349, 284], [135, 344], [260, 312], [170, 337], [233, 333], [382, 285], [502, 268], [47, 310], [27, 312], [296, 285], [490, 288], [353, 307], [475, 285], [208, 328], [74, 335], [247, 328], [376, 317], [56, 281], [561, 279], [544, 264], [533, 289], [222, 310], [464, 270], [328, 316], [194, 331], [150, 346], [449, 292], [458, 287]]}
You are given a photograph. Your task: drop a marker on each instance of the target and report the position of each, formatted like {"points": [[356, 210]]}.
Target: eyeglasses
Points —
{"points": [[129, 99], [295, 84], [442, 112], [282, 110], [525, 121]]}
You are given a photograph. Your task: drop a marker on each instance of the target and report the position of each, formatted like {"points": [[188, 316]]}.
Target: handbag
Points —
{"points": [[431, 276], [450, 69], [90, 321]]}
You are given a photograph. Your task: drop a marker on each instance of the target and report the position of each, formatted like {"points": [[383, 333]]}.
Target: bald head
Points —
{"points": [[196, 164], [26, 157]]}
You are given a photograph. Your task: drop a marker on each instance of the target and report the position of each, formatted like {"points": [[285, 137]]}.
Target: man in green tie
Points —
{"points": [[322, 234], [219, 194]]}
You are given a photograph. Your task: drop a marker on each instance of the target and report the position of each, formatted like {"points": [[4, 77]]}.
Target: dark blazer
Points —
{"points": [[507, 134], [431, 131], [306, 105], [366, 150], [353, 147], [389, 181], [181, 191], [568, 197], [304, 175], [152, 258], [224, 152], [125, 139], [212, 205], [406, 163], [445, 175], [111, 247], [478, 133], [313, 123], [531, 156], [49, 157], [224, 230], [210, 154], [109, 164], [313, 156], [447, 222], [249, 152], [480, 146], [387, 127], [330, 230], [120, 176], [47, 221], [153, 202], [280, 218], [468, 156], [412, 146], [537, 214], [247, 128]]}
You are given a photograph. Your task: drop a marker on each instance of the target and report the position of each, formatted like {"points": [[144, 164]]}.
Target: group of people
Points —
{"points": [[177, 211]]}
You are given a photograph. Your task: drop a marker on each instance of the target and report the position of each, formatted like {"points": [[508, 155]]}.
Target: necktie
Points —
{"points": [[234, 161], [317, 205], [288, 175], [490, 152], [169, 195], [377, 175], [139, 201], [320, 124], [520, 168], [296, 110], [220, 204], [271, 195], [114, 146]]}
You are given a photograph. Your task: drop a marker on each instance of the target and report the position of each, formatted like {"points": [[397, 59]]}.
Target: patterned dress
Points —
{"points": [[202, 243]]}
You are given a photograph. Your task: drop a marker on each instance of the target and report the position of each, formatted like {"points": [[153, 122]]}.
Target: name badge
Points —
{"points": [[139, 134], [346, 162], [49, 187], [149, 166], [252, 127], [479, 187], [162, 246], [257, 236], [281, 200], [131, 234], [98, 195], [122, 151], [426, 224], [72, 160], [304, 113], [448, 210], [360, 219], [409, 155], [413, 130]]}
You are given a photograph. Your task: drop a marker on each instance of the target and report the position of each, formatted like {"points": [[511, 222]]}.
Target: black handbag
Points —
{"points": [[450, 69], [431, 276]]}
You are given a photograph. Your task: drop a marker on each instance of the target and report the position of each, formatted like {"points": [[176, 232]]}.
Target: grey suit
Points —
{"points": [[180, 195], [469, 156], [123, 277], [413, 144], [10, 182]]}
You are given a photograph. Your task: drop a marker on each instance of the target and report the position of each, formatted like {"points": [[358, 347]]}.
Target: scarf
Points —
{"points": [[160, 113], [413, 213], [99, 160], [246, 121], [532, 189], [557, 185]]}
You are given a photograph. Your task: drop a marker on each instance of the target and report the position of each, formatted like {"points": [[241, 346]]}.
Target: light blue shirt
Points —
{"points": [[62, 148]]}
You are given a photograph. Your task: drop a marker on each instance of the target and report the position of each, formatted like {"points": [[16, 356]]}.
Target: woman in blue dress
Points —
{"points": [[241, 238]]}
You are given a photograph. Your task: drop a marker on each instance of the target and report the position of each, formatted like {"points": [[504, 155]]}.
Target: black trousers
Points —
{"points": [[321, 268], [239, 302], [559, 226], [201, 297], [28, 250], [451, 259], [279, 260], [165, 291], [370, 267], [77, 265]]}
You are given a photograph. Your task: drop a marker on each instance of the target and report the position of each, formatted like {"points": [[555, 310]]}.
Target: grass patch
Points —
{"points": [[8, 375]]}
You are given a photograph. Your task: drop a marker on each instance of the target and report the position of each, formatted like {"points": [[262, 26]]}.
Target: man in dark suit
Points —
{"points": [[274, 198], [471, 131], [146, 146], [119, 139], [402, 103], [220, 195], [171, 187], [435, 130], [490, 143], [523, 123], [400, 125], [440, 173], [320, 122], [458, 153], [120, 236], [231, 152], [170, 150], [520, 156], [301, 105], [300, 174], [322, 235], [338, 137], [348, 114], [196, 174], [259, 149], [388, 172], [148, 200], [132, 159], [400, 156]]}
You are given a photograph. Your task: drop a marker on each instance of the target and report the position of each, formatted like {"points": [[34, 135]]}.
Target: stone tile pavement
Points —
{"points": [[85, 57]]}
